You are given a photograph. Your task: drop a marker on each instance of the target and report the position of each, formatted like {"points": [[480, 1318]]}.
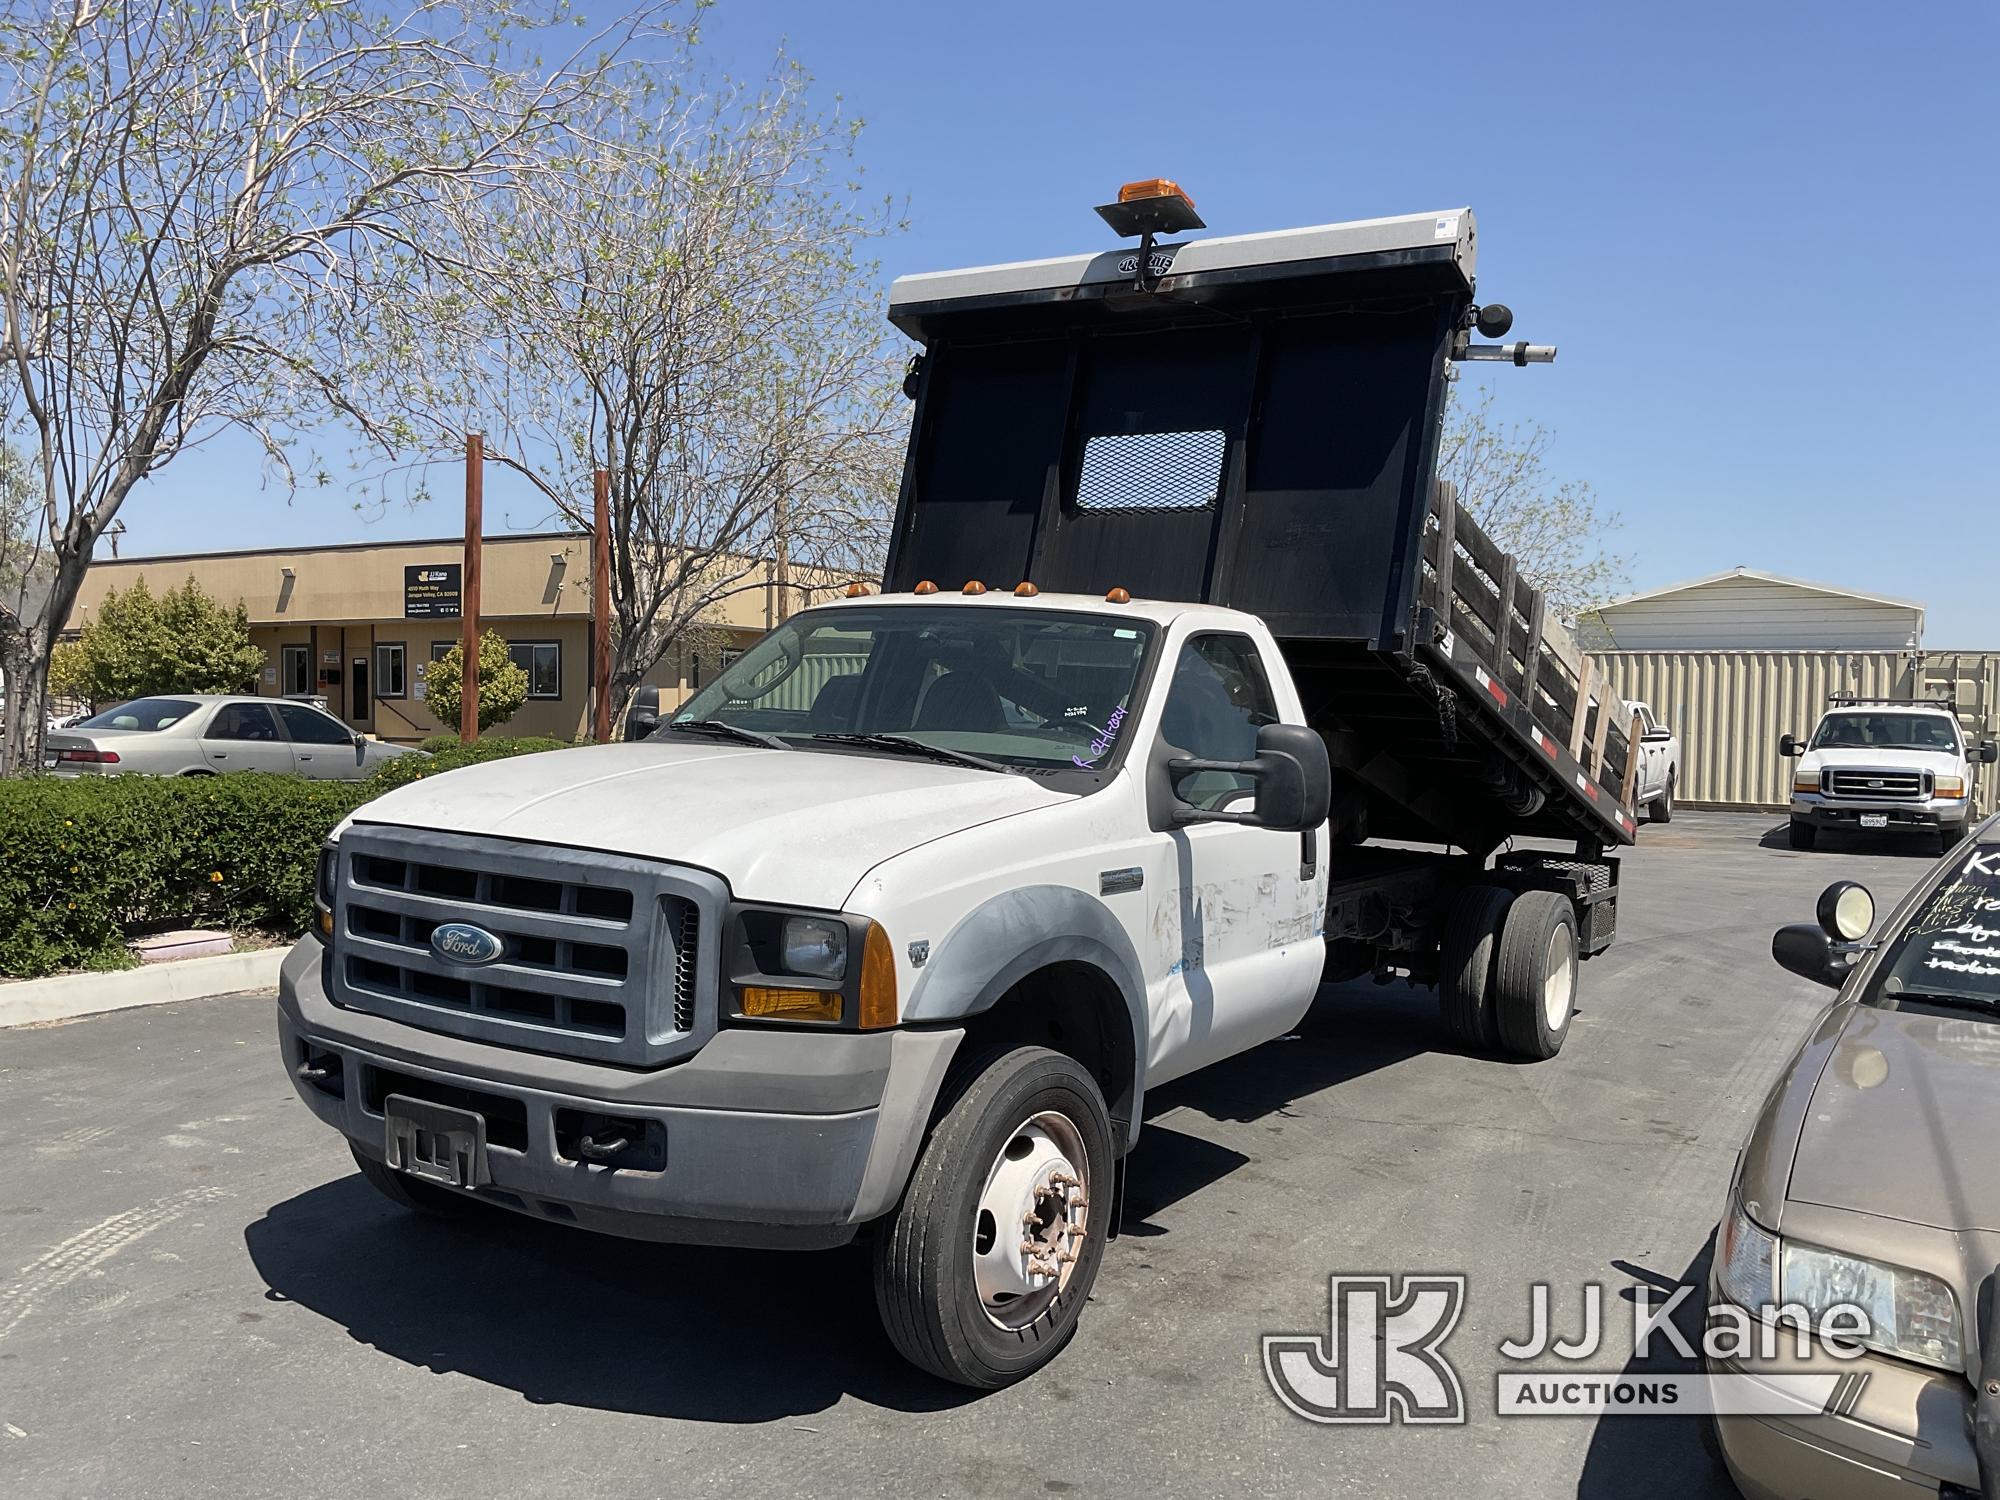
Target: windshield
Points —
{"points": [[140, 713], [1025, 689], [1885, 731], [1951, 947]]}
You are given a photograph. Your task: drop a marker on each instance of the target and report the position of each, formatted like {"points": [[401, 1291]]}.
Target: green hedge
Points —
{"points": [[84, 861]]}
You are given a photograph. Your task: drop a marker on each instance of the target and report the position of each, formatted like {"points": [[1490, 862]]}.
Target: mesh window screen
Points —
{"points": [[1151, 471]]}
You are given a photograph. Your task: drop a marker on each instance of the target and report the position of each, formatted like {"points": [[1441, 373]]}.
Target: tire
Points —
{"points": [[1950, 837], [1534, 976], [941, 1266], [1661, 810], [1466, 957], [405, 1191], [1804, 835]]}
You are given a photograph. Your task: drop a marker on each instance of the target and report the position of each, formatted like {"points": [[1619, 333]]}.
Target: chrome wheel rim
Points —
{"points": [[1032, 1220]]}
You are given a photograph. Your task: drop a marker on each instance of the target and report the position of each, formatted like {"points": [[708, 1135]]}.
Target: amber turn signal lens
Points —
{"points": [[973, 586], [878, 981], [1153, 187], [1025, 590], [926, 587], [1118, 596], [325, 923], [791, 1005]]}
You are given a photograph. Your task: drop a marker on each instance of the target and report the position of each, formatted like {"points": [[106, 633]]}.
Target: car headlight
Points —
{"points": [[1804, 783], [1746, 1257], [814, 946], [1910, 1314], [1950, 786]]}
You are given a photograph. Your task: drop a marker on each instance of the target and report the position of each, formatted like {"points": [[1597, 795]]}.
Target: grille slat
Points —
{"points": [[601, 955]]}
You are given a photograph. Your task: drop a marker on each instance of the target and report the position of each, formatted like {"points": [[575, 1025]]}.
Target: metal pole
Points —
{"points": [[600, 607], [475, 502]]}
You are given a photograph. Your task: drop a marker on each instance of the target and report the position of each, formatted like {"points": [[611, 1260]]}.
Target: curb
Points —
{"points": [[26, 1001]]}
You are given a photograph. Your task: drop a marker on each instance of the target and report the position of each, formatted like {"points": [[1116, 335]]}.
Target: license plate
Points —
{"points": [[48, 762], [1874, 820], [435, 1142]]}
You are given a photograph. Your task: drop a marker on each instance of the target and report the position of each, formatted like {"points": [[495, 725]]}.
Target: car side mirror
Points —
{"points": [[1656, 736], [1787, 746], [1292, 775], [360, 742], [643, 717], [1988, 751], [1827, 949]]}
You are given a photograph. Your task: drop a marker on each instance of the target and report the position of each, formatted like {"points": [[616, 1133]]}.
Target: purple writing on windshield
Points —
{"points": [[1104, 740]]}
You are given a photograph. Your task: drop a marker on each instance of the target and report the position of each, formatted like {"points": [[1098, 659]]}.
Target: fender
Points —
{"points": [[1005, 939]]}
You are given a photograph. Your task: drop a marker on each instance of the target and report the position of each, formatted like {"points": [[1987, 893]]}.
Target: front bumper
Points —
{"points": [[1907, 817], [1907, 1435], [773, 1138]]}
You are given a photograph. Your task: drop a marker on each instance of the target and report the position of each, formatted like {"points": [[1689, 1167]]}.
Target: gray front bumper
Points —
{"points": [[772, 1138], [1845, 812]]}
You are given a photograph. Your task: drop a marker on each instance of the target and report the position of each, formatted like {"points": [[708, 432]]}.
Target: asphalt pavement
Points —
{"points": [[199, 1296]]}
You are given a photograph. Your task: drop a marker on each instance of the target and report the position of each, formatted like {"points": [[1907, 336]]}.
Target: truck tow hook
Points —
{"points": [[592, 1148]]}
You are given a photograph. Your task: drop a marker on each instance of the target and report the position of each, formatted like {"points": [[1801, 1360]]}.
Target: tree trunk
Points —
{"points": [[24, 657]]}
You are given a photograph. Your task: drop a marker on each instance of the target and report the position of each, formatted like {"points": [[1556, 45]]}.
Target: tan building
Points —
{"points": [[359, 623]]}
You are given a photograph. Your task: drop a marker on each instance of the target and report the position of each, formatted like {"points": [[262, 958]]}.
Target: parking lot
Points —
{"points": [[198, 1296]]}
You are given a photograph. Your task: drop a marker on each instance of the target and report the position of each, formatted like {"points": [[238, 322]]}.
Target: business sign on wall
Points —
{"points": [[433, 591]]}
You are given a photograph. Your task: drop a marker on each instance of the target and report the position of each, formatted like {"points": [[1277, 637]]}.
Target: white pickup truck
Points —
{"points": [[892, 928], [1884, 765], [1659, 776]]}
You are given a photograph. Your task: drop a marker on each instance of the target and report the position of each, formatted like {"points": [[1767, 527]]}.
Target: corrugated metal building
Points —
{"points": [[1745, 610]]}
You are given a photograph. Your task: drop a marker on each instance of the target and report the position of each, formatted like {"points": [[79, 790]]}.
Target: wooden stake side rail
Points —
{"points": [[1465, 581]]}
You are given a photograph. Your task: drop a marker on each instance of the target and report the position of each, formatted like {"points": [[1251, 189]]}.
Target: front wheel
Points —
{"points": [[983, 1269], [1661, 809], [1803, 835]]}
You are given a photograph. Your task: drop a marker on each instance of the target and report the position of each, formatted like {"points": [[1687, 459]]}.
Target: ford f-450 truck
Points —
{"points": [[1185, 686]]}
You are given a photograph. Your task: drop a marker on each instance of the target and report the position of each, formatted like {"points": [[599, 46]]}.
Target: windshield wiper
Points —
{"points": [[1985, 1007], [903, 744], [722, 730]]}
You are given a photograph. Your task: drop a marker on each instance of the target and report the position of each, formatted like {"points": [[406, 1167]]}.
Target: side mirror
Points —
{"points": [[1826, 950], [1988, 751], [360, 743], [1787, 746], [1294, 781], [643, 717], [1656, 736]]}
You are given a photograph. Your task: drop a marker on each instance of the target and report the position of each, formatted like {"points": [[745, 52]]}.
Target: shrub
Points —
{"points": [[85, 861], [503, 686]]}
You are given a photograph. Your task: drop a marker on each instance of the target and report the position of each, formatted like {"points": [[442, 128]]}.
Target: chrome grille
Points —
{"points": [[602, 957], [1910, 786]]}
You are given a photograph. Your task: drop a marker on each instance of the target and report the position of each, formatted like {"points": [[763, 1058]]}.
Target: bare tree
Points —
{"points": [[199, 202], [1556, 530], [685, 301]]}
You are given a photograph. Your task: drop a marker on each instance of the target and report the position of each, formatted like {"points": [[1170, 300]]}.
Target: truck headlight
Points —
{"points": [[1910, 1314], [815, 946], [1804, 783], [1950, 786], [323, 878]]}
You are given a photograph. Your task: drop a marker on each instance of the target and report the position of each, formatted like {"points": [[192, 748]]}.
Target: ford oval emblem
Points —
{"points": [[462, 943]]}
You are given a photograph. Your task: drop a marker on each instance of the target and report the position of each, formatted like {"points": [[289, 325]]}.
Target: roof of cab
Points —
{"points": [[1158, 611]]}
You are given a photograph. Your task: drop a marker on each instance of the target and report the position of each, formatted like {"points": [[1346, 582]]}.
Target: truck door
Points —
{"points": [[1237, 952]]}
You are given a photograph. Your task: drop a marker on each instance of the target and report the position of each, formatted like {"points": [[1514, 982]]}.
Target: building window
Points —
{"points": [[542, 661], [389, 681], [440, 649], [298, 671]]}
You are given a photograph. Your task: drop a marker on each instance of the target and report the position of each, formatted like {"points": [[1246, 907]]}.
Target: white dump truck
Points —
{"points": [[890, 930]]}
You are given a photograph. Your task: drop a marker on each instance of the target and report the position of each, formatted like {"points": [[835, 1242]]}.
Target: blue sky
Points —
{"points": [[1762, 235]]}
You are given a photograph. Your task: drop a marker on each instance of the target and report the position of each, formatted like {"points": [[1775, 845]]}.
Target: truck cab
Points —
{"points": [[1184, 687], [1881, 765]]}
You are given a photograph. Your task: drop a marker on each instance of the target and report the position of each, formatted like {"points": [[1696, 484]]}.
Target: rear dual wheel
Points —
{"points": [[1509, 971]]}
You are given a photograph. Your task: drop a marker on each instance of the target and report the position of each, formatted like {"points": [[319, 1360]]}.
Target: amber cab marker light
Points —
{"points": [[1118, 596], [1025, 590], [878, 981], [856, 590], [973, 586], [1153, 187], [926, 587]]}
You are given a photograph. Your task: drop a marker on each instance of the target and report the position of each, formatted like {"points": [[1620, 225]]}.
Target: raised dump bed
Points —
{"points": [[1254, 421]]}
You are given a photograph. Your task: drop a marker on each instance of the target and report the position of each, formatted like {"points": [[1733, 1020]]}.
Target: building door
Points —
{"points": [[360, 706], [297, 671]]}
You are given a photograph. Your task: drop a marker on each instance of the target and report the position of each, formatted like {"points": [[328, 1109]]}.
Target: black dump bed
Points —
{"points": [[1255, 423]]}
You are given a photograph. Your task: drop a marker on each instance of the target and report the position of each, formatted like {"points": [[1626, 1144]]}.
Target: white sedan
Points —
{"points": [[206, 734]]}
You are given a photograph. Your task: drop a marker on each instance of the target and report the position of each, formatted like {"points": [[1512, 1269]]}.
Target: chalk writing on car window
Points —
{"points": [[1104, 741]]}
